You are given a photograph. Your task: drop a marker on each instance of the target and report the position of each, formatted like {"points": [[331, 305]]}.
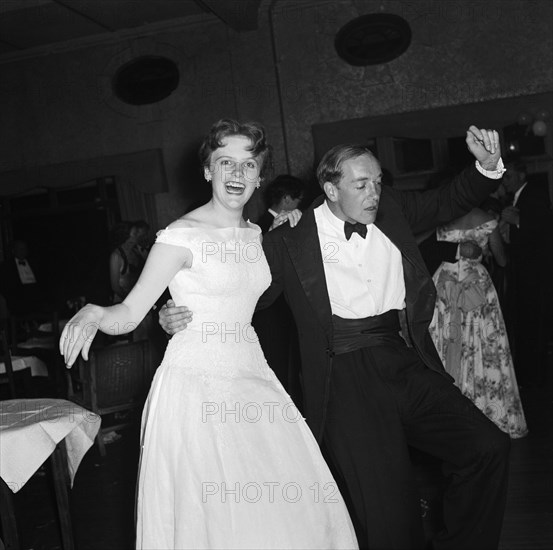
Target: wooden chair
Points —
{"points": [[116, 378]]}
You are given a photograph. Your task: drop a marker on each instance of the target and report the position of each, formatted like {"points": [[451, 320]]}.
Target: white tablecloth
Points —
{"points": [[30, 429], [38, 367], [47, 327], [38, 342]]}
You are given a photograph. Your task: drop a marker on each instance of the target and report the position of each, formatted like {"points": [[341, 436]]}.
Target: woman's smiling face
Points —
{"points": [[234, 171]]}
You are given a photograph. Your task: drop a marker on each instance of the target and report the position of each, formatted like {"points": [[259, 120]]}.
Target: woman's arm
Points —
{"points": [[163, 263]]}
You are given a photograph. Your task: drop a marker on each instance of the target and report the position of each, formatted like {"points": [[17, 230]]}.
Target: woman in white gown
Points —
{"points": [[226, 461]]}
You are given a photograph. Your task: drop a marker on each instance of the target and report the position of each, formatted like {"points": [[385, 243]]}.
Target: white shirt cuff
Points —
{"points": [[492, 174]]}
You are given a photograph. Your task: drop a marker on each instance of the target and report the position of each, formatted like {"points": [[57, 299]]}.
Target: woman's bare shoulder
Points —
{"points": [[192, 219]]}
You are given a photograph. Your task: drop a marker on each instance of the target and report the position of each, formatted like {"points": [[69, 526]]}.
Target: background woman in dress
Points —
{"points": [[468, 327]]}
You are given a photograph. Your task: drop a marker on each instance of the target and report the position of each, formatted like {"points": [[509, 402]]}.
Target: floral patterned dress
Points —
{"points": [[469, 333]]}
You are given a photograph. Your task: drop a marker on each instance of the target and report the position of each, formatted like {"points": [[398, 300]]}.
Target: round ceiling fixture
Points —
{"points": [[145, 80], [373, 39]]}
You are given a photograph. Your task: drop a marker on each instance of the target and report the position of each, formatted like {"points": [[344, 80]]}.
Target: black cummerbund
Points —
{"points": [[354, 334]]}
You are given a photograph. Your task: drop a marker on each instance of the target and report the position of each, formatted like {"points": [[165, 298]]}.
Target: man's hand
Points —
{"points": [[511, 215], [470, 250], [173, 319], [484, 145], [292, 216]]}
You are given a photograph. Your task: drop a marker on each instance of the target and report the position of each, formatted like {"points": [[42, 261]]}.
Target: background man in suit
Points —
{"points": [[373, 383], [283, 194], [529, 293]]}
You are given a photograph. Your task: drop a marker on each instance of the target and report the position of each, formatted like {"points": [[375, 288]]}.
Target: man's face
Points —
{"points": [[20, 250], [356, 197], [288, 203]]}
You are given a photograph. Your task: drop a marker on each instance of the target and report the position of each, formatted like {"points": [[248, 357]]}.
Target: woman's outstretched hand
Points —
{"points": [[79, 332], [292, 216]]}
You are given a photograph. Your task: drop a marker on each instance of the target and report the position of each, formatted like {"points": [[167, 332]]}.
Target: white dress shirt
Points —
{"points": [[26, 275], [364, 277]]}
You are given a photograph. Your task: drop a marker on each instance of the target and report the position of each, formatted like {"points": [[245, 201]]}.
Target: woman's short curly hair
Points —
{"points": [[227, 127]]}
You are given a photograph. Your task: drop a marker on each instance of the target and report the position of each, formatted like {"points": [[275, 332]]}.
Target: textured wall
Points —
{"points": [[461, 52], [59, 107]]}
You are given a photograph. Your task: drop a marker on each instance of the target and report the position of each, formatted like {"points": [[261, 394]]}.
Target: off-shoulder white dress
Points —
{"points": [[227, 461]]}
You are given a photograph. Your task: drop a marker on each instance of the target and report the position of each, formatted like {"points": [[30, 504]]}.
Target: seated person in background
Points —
{"points": [[140, 231], [283, 194], [125, 266], [125, 263], [468, 328]]}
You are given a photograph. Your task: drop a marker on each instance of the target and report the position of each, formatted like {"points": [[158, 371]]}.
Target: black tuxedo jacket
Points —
{"points": [[531, 242], [296, 263], [265, 221]]}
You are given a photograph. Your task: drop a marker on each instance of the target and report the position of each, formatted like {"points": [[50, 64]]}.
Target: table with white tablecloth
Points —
{"points": [[30, 429], [33, 431]]}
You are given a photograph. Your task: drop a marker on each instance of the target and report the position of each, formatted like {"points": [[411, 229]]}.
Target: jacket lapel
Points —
{"points": [[305, 253], [391, 221]]}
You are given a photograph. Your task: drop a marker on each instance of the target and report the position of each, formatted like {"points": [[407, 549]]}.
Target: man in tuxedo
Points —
{"points": [[529, 216], [373, 383]]}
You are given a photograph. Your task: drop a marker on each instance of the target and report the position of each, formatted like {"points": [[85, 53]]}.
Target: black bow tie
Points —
{"points": [[21, 262], [351, 228]]}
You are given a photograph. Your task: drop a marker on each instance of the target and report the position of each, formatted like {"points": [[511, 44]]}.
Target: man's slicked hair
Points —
{"points": [[330, 167]]}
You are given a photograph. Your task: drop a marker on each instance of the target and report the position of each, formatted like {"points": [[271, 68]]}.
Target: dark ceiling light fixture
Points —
{"points": [[145, 80], [373, 39]]}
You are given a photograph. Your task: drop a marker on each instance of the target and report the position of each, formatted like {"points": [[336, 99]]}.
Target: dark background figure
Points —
{"points": [[129, 249], [275, 325], [285, 193], [125, 263], [530, 271], [140, 231], [22, 282]]}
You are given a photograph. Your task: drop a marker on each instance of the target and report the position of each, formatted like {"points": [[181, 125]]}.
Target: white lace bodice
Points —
{"points": [[229, 272]]}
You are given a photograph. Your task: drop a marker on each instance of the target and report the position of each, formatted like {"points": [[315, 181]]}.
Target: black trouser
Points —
{"points": [[382, 399]]}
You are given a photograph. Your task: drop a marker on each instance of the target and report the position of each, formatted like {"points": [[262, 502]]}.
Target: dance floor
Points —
{"points": [[103, 493]]}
